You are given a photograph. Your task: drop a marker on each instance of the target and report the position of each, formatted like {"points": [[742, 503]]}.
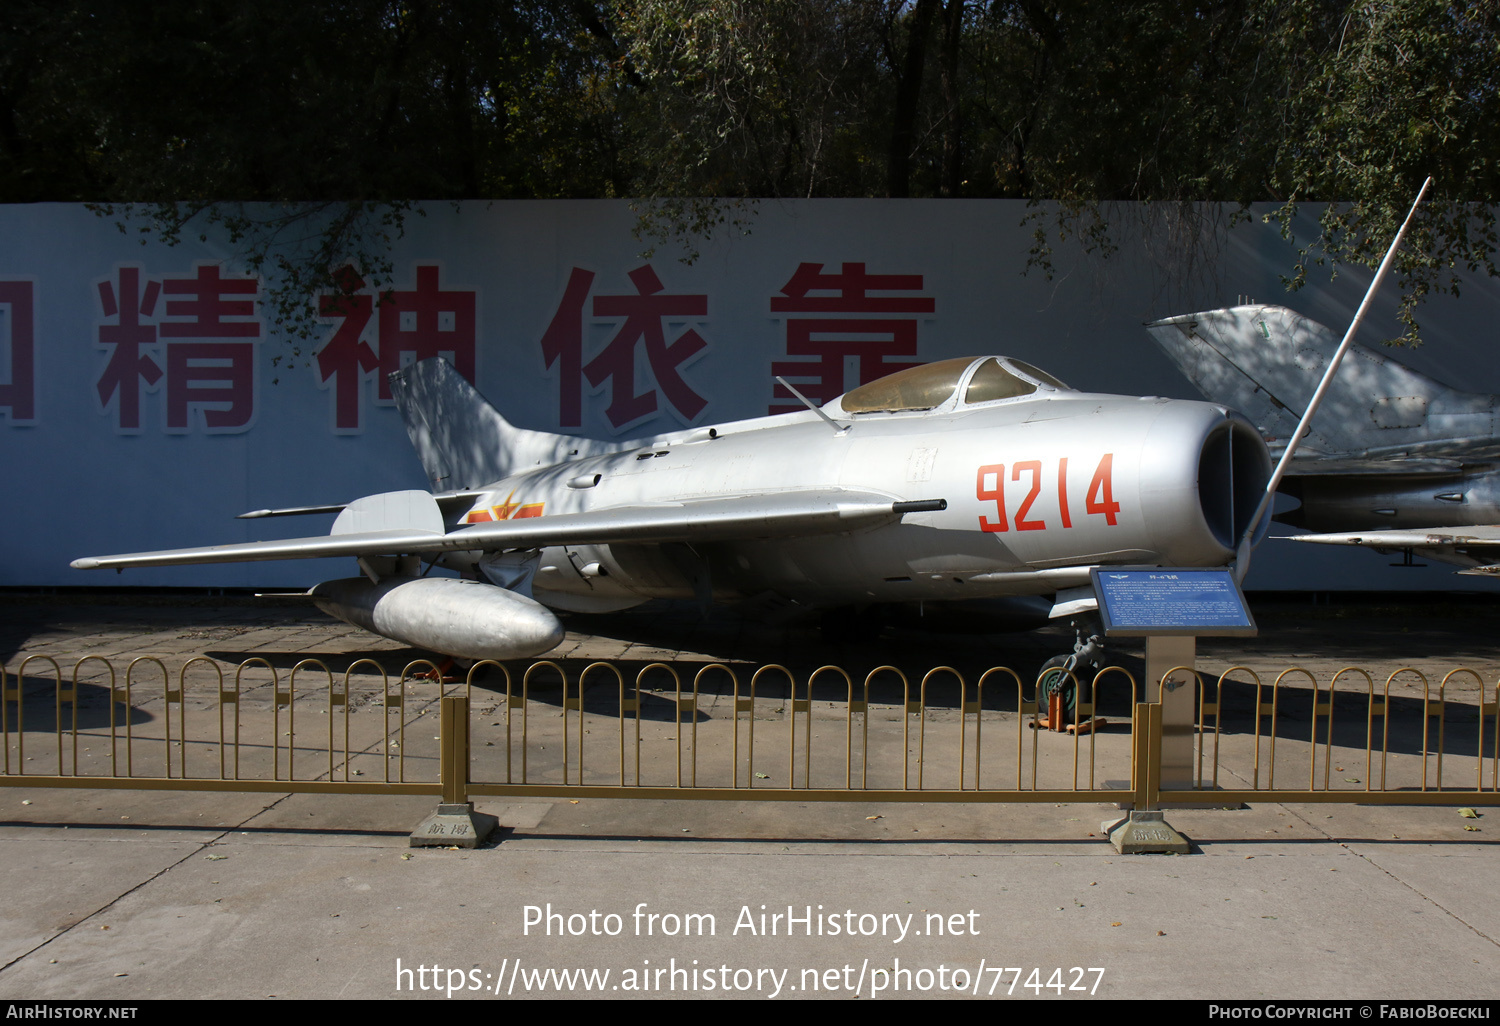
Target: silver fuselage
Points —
{"points": [[1037, 489]]}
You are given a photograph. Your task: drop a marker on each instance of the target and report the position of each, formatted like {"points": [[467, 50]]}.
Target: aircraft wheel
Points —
{"points": [[1054, 679]]}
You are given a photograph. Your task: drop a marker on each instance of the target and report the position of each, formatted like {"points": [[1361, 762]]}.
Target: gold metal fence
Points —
{"points": [[721, 731], [840, 770], [1397, 743], [97, 737]]}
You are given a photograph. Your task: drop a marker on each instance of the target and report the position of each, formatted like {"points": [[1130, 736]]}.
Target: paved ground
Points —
{"points": [[130, 895]]}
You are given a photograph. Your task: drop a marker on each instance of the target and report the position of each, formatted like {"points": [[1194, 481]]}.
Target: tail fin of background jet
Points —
{"points": [[463, 441], [1266, 361]]}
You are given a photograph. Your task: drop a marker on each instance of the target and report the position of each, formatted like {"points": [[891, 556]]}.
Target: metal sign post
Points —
{"points": [[1171, 608]]}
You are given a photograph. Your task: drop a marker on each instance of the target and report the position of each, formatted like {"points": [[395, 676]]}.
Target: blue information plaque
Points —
{"points": [[1144, 601]]}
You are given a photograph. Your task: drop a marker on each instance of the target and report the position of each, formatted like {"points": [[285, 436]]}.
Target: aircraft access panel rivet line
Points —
{"points": [[697, 678]]}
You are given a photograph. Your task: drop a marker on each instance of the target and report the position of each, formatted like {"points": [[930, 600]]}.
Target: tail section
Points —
{"points": [[1266, 361], [463, 441]]}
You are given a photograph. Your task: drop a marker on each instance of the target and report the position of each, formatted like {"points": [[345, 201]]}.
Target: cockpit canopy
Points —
{"points": [[984, 380]]}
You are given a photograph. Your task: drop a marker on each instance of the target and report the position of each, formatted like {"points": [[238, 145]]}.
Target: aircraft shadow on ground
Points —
{"points": [[658, 691], [773, 690], [41, 712], [1400, 731], [393, 661]]}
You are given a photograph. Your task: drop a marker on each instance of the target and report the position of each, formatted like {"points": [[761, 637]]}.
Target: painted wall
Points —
{"points": [[146, 399]]}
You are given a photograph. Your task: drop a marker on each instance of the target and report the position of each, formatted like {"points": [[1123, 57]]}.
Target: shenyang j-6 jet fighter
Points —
{"points": [[963, 480]]}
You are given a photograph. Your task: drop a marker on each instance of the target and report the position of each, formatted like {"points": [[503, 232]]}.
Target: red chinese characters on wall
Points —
{"points": [[834, 321], [18, 341], [409, 325], [191, 337], [644, 319]]}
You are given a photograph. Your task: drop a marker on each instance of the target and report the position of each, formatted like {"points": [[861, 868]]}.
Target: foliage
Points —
{"points": [[341, 115]]}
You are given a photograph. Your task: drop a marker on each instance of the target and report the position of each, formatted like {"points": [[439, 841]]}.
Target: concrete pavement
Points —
{"points": [[135, 895]]}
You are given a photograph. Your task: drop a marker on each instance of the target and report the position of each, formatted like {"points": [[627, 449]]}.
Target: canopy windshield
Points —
{"points": [[920, 388], [1002, 380]]}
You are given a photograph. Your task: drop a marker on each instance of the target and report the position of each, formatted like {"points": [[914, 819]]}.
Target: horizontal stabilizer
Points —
{"points": [[779, 515]]}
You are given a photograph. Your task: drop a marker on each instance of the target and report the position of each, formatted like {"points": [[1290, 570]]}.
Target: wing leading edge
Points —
{"points": [[787, 514]]}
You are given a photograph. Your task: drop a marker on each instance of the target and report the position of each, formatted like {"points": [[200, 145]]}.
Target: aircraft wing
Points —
{"points": [[1475, 547], [1319, 465], [776, 515]]}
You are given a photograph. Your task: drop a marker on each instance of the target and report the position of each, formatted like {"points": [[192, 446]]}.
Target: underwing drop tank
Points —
{"points": [[468, 619]]}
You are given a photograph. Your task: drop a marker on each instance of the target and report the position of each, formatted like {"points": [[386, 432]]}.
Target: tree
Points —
{"points": [[345, 113]]}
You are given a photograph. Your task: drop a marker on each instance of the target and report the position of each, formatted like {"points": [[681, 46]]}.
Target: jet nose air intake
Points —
{"points": [[1233, 468]]}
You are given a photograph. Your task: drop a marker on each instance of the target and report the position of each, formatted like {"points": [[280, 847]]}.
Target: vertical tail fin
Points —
{"points": [[1266, 361], [463, 441]]}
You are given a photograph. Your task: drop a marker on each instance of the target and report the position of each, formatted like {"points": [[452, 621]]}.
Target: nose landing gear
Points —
{"points": [[1065, 682]]}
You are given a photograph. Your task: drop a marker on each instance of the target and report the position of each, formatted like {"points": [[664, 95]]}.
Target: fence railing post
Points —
{"points": [[455, 824], [1145, 828]]}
